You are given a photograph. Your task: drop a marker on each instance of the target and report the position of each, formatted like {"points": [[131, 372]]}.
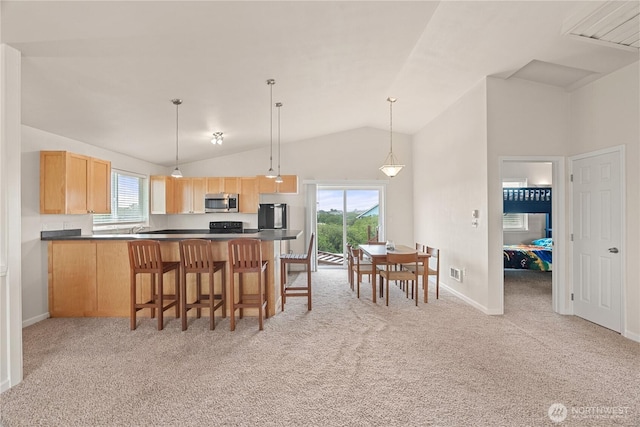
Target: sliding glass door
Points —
{"points": [[344, 215]]}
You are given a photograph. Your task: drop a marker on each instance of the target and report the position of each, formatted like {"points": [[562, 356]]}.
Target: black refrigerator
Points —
{"points": [[272, 216]]}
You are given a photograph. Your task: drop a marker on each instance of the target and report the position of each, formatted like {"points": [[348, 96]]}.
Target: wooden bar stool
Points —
{"points": [[296, 291], [196, 257], [144, 257], [245, 256]]}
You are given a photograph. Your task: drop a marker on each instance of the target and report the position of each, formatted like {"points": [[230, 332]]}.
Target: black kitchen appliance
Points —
{"points": [[272, 216], [225, 227]]}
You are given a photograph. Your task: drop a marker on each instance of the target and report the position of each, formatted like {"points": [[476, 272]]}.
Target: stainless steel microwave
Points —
{"points": [[221, 202]]}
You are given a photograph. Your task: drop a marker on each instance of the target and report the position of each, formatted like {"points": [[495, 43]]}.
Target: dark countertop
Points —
{"points": [[269, 235]]}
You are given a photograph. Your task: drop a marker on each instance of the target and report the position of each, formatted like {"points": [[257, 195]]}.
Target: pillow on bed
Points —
{"points": [[543, 242]]}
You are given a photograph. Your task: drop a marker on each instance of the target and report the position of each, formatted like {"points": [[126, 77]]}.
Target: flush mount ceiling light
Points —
{"points": [[270, 172], [279, 177], [391, 167], [217, 138], [176, 172]]}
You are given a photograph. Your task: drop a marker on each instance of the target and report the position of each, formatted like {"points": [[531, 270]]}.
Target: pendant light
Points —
{"points": [[270, 172], [279, 177], [176, 172], [391, 167]]}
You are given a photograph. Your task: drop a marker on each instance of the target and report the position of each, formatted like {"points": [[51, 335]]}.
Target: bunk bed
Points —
{"points": [[537, 255]]}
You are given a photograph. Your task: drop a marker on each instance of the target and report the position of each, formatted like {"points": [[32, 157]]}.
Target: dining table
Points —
{"points": [[378, 255]]}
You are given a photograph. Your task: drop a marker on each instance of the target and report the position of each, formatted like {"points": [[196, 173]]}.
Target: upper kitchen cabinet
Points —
{"points": [[162, 195], [74, 184], [221, 184], [289, 184], [189, 195], [249, 197]]}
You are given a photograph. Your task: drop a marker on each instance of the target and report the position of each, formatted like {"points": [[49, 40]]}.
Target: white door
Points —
{"points": [[597, 239]]}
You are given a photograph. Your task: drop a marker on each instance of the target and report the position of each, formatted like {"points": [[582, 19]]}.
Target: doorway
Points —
{"points": [[560, 296], [345, 215]]}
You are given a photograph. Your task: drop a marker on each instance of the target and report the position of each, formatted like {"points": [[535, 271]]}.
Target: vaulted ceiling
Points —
{"points": [[105, 72]]}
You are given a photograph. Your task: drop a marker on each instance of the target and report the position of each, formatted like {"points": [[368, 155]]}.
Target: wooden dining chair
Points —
{"points": [[145, 258], [196, 257], [296, 291], [245, 257], [359, 268], [434, 271], [394, 270]]}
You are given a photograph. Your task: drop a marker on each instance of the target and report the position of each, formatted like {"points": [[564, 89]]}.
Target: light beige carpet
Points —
{"points": [[346, 363]]}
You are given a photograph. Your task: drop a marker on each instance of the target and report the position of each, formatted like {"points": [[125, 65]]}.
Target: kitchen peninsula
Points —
{"points": [[89, 276]]}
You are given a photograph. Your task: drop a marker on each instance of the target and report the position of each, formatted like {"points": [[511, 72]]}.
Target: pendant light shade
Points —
{"points": [[176, 172], [271, 172], [279, 177], [391, 166]]}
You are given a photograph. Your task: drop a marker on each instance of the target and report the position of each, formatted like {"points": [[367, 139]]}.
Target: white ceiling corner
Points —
{"points": [[552, 74]]}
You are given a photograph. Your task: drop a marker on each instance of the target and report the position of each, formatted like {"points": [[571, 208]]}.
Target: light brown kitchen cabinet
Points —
{"points": [[289, 184], [214, 185], [189, 195], [74, 184], [231, 185], [249, 196], [162, 193]]}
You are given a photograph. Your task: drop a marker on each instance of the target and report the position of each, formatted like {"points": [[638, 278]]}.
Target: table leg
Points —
{"points": [[373, 278]]}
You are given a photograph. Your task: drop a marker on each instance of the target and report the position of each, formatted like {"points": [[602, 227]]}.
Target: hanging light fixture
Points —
{"points": [[391, 167], [217, 138], [270, 172], [279, 177], [176, 172]]}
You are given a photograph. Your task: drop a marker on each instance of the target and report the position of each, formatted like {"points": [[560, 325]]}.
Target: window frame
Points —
{"points": [[143, 201]]}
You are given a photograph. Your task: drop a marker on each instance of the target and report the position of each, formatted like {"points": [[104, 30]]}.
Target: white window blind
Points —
{"points": [[515, 221], [129, 195]]}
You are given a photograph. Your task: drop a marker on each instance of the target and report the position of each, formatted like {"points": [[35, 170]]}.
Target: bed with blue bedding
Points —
{"points": [[536, 256]]}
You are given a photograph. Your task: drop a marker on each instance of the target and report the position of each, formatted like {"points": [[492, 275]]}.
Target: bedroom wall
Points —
{"points": [[605, 114], [454, 148], [35, 305], [537, 174]]}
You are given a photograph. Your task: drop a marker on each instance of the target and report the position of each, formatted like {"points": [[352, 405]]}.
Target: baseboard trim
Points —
{"points": [[631, 335], [4, 386], [471, 302], [35, 320]]}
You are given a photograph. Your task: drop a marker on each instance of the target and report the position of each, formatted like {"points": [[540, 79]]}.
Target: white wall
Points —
{"points": [[35, 305], [452, 183], [606, 113]]}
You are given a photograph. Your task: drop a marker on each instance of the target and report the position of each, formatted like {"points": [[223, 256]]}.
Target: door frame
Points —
{"points": [[560, 294], [620, 150], [311, 187]]}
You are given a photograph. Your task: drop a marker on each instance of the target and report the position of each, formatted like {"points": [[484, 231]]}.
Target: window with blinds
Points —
{"points": [[129, 200], [515, 221]]}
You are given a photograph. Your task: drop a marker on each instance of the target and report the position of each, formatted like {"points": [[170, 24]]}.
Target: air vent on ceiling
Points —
{"points": [[615, 23]]}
